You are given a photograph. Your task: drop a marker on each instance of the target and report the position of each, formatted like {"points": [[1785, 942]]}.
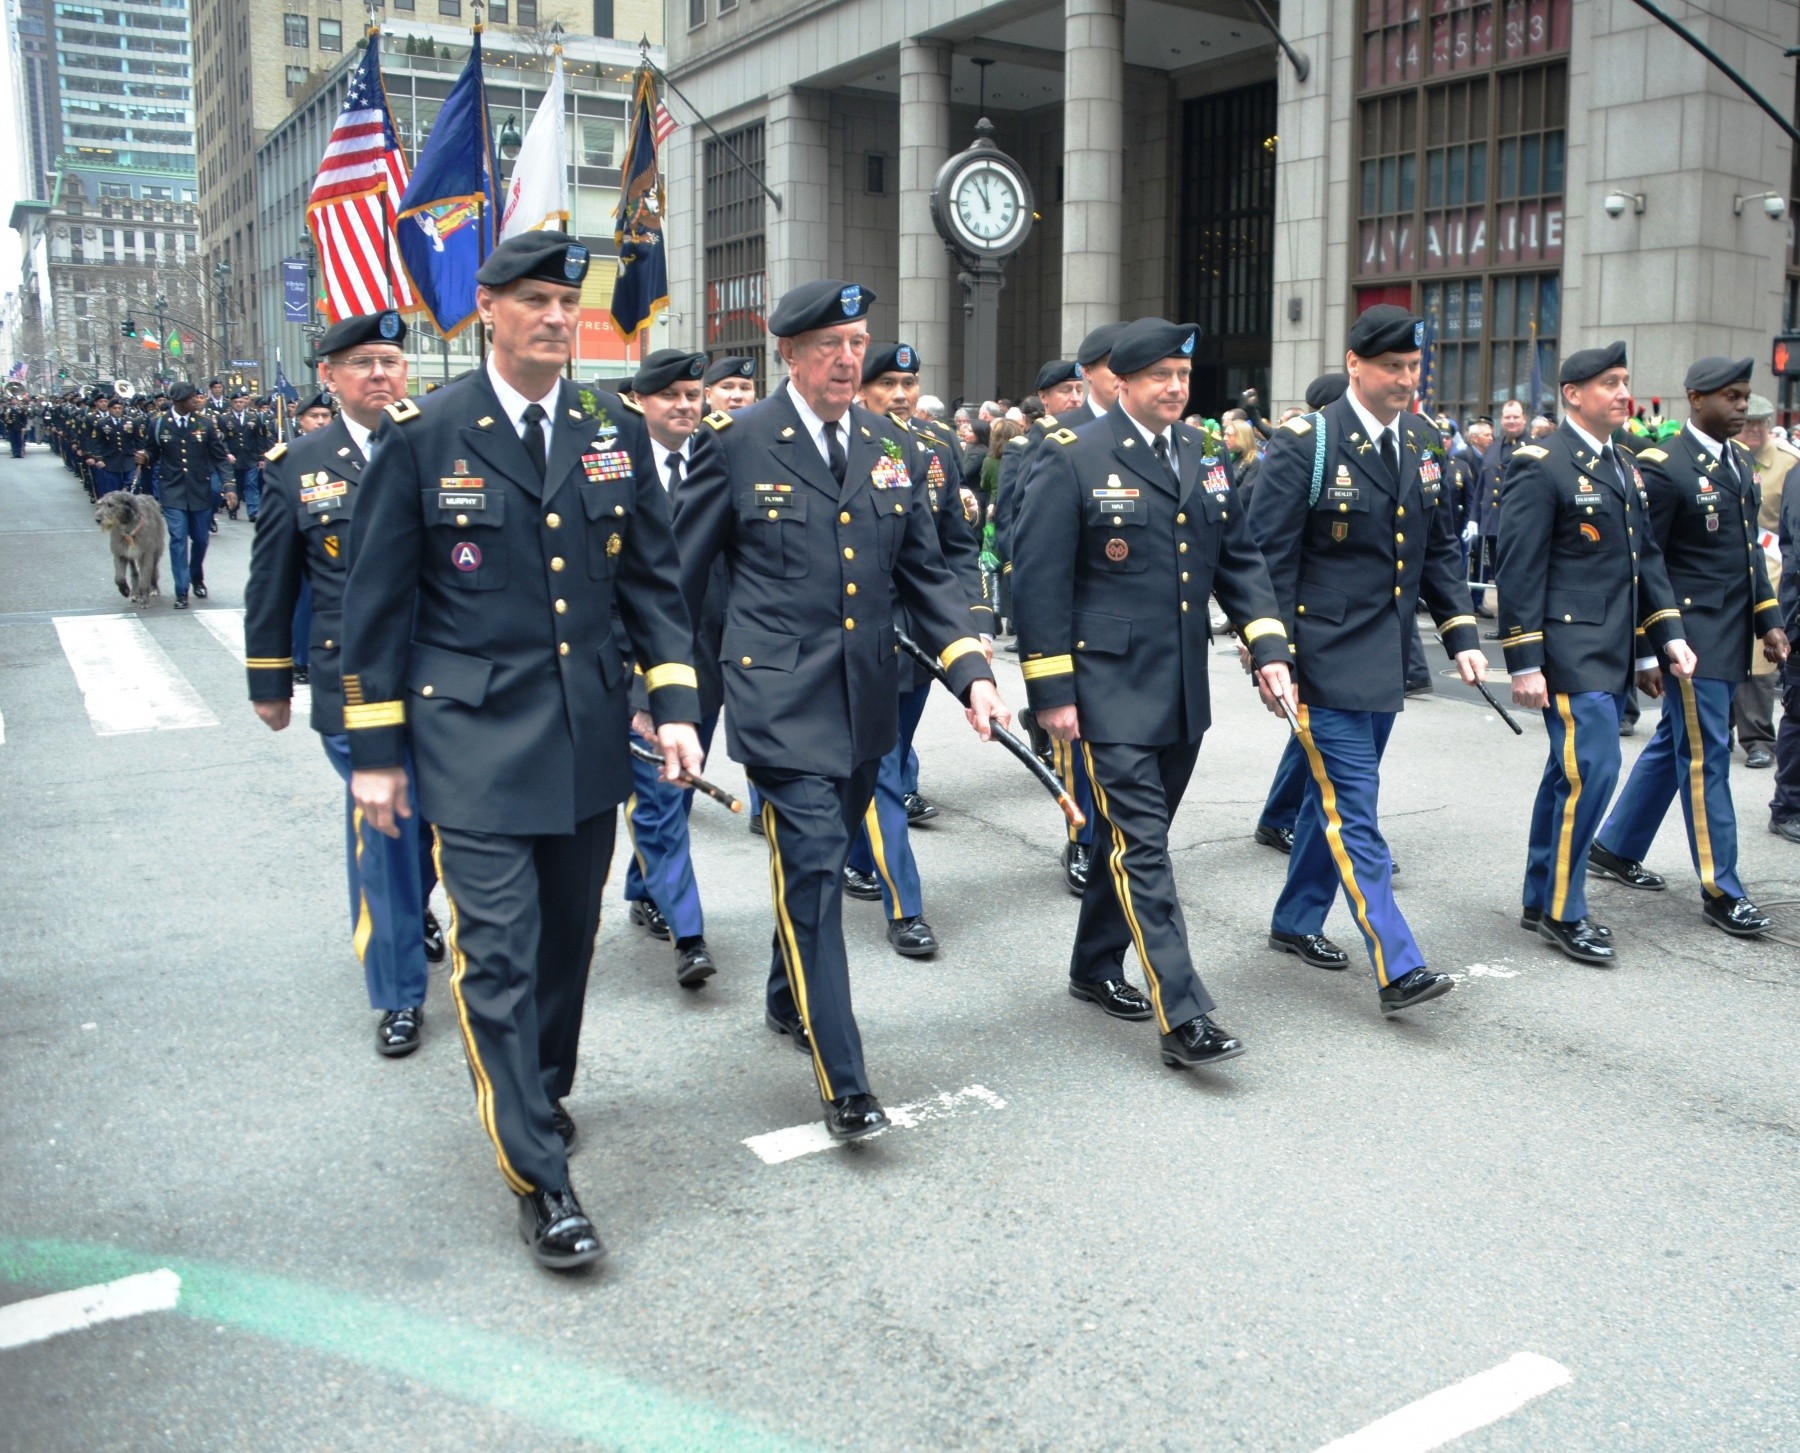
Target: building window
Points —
{"points": [[528, 13], [696, 13], [450, 7], [727, 6], [734, 266], [603, 18], [405, 5], [1526, 310], [499, 11], [296, 78], [598, 140], [331, 35], [874, 173], [1387, 237], [294, 29]]}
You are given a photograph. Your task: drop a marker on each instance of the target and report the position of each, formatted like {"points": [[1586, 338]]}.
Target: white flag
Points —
{"points": [[539, 194]]}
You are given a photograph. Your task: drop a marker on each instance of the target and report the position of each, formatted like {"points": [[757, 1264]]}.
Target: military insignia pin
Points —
{"points": [[1590, 533], [613, 545], [465, 556], [1117, 549], [1340, 530]]}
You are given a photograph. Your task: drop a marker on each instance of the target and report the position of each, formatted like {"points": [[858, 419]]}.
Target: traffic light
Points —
{"points": [[128, 329], [62, 373], [1786, 360]]}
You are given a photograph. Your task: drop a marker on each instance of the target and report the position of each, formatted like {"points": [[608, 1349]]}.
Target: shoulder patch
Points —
{"points": [[275, 453], [1655, 456], [1298, 425], [719, 420], [402, 411], [631, 403], [1063, 436], [1532, 451]]}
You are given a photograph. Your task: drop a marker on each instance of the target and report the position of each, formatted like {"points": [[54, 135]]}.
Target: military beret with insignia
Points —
{"points": [[1709, 375], [240, 393], [1327, 388], [320, 400], [890, 358], [730, 367], [550, 257], [1057, 371], [1098, 344], [667, 366], [383, 327], [1589, 363], [821, 304], [1386, 328], [180, 393], [1150, 340]]}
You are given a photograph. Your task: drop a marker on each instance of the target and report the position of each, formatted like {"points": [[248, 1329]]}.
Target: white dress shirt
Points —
{"points": [[359, 436], [1167, 434], [663, 456], [514, 404], [1372, 425], [815, 426]]}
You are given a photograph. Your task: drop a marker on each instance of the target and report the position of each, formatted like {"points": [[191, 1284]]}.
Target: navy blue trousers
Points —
{"points": [[1069, 763], [884, 846], [1338, 841], [1578, 782], [662, 859], [390, 882], [1288, 790], [1688, 755]]}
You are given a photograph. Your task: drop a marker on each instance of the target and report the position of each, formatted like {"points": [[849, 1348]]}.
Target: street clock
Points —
{"points": [[981, 202]]}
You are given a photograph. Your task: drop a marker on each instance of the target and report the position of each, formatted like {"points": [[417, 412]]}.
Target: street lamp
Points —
{"points": [[162, 342], [223, 273], [310, 252], [510, 140]]}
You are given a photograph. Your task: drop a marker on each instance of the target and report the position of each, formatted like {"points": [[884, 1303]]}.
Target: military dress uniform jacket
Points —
{"points": [[119, 441], [810, 659], [185, 452], [932, 463], [478, 613], [246, 436], [1016, 460], [1490, 479], [303, 533], [1705, 522], [1349, 570], [1583, 587], [1115, 564]]}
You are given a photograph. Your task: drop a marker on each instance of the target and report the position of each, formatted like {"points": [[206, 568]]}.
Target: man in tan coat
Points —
{"points": [[1753, 711]]}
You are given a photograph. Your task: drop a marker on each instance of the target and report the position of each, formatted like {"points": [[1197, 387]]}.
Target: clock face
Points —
{"points": [[987, 203]]}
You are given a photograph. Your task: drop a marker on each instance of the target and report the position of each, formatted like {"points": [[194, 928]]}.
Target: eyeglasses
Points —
{"points": [[370, 363]]}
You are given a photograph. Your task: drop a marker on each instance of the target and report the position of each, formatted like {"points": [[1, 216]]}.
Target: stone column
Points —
{"points": [[926, 282], [797, 164], [1093, 165]]}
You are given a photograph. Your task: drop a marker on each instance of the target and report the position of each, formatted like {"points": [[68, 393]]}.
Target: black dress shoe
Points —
{"points": [[200, 589], [434, 938], [558, 1231], [1484, 612], [1078, 859], [1576, 938], [919, 809], [564, 1123], [1419, 688], [1115, 996], [1198, 1042], [1393, 868], [1310, 948], [181, 602], [215, 526], [398, 1033], [1738, 917], [301, 676], [1414, 988], [792, 1028], [1628, 728], [648, 917], [863, 886], [693, 964], [1623, 870], [855, 1117], [1529, 917], [912, 938], [1787, 827], [1758, 756], [1279, 838]]}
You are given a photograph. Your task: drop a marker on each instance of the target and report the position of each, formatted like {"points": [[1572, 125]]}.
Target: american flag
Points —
{"points": [[351, 209], [665, 124]]}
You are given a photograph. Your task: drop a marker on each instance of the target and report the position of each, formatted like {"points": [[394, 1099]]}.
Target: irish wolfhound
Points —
{"points": [[135, 528]]}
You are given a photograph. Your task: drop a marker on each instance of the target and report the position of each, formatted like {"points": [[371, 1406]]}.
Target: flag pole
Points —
{"points": [[390, 293], [487, 177]]}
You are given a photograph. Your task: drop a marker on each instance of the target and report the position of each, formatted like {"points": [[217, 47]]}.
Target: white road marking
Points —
{"points": [[798, 1140], [226, 626], [127, 681], [2, 729], [42, 1318], [1487, 971], [1447, 1414]]}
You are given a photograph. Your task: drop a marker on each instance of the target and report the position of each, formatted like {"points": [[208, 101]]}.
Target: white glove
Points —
{"points": [[1470, 532]]}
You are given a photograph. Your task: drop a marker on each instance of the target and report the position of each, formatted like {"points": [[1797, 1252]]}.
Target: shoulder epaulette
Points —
{"points": [[1018, 441], [1047, 421], [1298, 425], [631, 403], [1655, 456], [1063, 436], [1532, 451], [402, 411], [899, 423], [275, 453], [719, 419]]}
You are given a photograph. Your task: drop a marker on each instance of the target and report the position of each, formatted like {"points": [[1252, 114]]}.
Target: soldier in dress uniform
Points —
{"points": [[881, 865], [1126, 526], [302, 535], [822, 521], [1583, 595], [730, 384], [116, 441], [1704, 506], [1356, 529], [15, 413], [1784, 806], [186, 450], [247, 439], [497, 525]]}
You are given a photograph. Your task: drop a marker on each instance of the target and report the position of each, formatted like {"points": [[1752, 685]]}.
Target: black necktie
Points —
{"points": [[1731, 469], [1390, 455], [674, 472], [533, 439], [834, 455], [1611, 457], [1161, 446]]}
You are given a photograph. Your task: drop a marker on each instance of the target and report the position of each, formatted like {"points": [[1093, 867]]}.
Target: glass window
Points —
{"points": [[296, 78], [734, 269], [696, 13], [1527, 311], [528, 13], [603, 18], [294, 29], [450, 7], [1387, 240], [1390, 42], [499, 11], [331, 35], [727, 6], [405, 5], [595, 142]]}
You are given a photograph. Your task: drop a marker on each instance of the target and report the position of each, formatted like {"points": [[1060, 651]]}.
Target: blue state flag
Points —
{"points": [[284, 388], [446, 218], [641, 289]]}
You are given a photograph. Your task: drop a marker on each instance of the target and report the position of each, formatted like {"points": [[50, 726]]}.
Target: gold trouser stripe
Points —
{"points": [[878, 847], [1690, 715], [1047, 666], [484, 1087], [1115, 861], [1264, 626], [269, 663], [1565, 838], [1062, 759], [374, 714], [672, 674], [1334, 839], [365, 924], [631, 832], [959, 647], [791, 963], [1455, 621]]}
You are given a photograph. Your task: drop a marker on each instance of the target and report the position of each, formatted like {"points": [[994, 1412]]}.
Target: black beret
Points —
{"points": [[890, 358], [821, 304], [550, 257], [384, 327], [731, 367], [1098, 344], [1385, 328], [667, 366], [180, 393], [240, 393], [1590, 362], [1327, 388], [1150, 340], [1708, 375], [320, 400], [1057, 371]]}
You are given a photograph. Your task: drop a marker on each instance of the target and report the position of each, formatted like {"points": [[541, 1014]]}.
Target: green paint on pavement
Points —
{"points": [[559, 1394]]}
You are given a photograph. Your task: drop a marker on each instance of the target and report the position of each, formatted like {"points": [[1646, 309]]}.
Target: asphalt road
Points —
{"points": [[1090, 1252]]}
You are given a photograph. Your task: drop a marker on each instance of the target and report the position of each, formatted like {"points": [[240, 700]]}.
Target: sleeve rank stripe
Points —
{"points": [[269, 663], [1048, 666], [671, 674], [1454, 622], [1264, 626], [374, 714], [960, 647], [1525, 639], [1763, 605], [1661, 615]]}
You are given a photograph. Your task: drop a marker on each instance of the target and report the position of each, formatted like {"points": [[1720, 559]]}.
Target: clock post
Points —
{"points": [[981, 205]]}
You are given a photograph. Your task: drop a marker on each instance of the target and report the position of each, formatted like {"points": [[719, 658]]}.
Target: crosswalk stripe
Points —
{"points": [[128, 683], [226, 626]]}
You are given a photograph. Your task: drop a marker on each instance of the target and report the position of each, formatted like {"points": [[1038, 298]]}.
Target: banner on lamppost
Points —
{"points": [[295, 295]]}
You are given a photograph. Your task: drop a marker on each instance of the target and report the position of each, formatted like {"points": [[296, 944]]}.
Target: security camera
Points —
{"points": [[1615, 204], [1774, 206]]}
